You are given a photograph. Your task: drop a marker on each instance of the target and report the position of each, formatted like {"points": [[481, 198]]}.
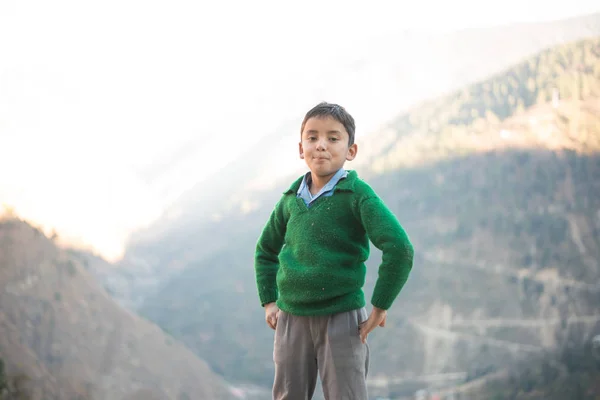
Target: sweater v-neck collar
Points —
{"points": [[344, 184]]}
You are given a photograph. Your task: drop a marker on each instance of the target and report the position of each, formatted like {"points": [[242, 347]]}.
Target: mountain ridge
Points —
{"points": [[67, 333], [527, 38], [231, 197]]}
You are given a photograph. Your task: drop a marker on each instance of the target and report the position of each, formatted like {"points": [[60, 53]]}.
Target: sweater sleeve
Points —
{"points": [[266, 258], [386, 233]]}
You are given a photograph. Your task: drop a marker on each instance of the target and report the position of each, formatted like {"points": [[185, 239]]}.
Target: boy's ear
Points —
{"points": [[352, 150], [301, 150]]}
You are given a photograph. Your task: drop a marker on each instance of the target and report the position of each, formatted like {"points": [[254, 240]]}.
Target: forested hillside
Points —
{"points": [[497, 184]]}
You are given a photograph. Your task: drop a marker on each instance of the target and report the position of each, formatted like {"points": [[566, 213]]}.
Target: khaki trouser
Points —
{"points": [[329, 345]]}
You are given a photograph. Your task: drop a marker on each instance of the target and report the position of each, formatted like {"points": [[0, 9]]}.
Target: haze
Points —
{"points": [[109, 111]]}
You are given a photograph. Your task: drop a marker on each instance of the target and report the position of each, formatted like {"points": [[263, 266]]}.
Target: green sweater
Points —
{"points": [[311, 261]]}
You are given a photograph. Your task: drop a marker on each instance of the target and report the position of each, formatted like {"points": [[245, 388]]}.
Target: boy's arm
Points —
{"points": [[266, 257], [386, 233]]}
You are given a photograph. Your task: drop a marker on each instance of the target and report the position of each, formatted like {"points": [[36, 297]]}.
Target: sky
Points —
{"points": [[110, 110]]}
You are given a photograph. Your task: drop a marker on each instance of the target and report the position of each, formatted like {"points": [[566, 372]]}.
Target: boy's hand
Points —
{"points": [[271, 314], [377, 318]]}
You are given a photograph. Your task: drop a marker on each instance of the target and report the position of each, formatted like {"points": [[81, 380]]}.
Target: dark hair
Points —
{"points": [[337, 112]]}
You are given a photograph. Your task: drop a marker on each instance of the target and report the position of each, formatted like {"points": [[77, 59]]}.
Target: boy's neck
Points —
{"points": [[318, 182]]}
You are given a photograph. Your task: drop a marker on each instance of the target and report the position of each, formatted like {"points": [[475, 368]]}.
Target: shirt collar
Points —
{"points": [[343, 184], [306, 180]]}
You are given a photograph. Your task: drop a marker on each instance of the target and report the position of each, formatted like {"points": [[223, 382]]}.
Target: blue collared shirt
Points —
{"points": [[304, 190]]}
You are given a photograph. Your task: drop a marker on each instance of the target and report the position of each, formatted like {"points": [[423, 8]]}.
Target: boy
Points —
{"points": [[310, 266]]}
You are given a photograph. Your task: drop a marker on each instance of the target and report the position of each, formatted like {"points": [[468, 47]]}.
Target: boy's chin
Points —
{"points": [[322, 173]]}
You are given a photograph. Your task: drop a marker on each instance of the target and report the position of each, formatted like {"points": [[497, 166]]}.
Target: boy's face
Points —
{"points": [[324, 146]]}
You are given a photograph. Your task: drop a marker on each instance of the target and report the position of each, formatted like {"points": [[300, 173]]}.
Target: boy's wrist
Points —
{"points": [[268, 296]]}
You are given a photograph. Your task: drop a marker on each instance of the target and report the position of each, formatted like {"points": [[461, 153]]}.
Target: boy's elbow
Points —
{"points": [[410, 249], [405, 253], [410, 254]]}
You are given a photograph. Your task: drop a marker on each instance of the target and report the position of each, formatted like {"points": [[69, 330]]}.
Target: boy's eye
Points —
{"points": [[312, 138], [334, 139]]}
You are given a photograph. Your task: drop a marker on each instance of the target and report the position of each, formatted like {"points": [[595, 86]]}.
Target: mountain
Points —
{"points": [[387, 75], [573, 374], [459, 122], [63, 337], [498, 186], [411, 67]]}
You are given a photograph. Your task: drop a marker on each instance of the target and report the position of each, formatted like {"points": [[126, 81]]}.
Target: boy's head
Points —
{"points": [[327, 139], [335, 111]]}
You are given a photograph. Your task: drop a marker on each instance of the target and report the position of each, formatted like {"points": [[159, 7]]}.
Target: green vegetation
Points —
{"points": [[471, 119], [572, 374], [13, 387], [527, 200], [3, 378]]}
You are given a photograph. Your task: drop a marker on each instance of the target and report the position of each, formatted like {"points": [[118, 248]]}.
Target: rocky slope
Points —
{"points": [[69, 339]]}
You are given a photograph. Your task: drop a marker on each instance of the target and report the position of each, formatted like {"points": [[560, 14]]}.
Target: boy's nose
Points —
{"points": [[321, 144]]}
